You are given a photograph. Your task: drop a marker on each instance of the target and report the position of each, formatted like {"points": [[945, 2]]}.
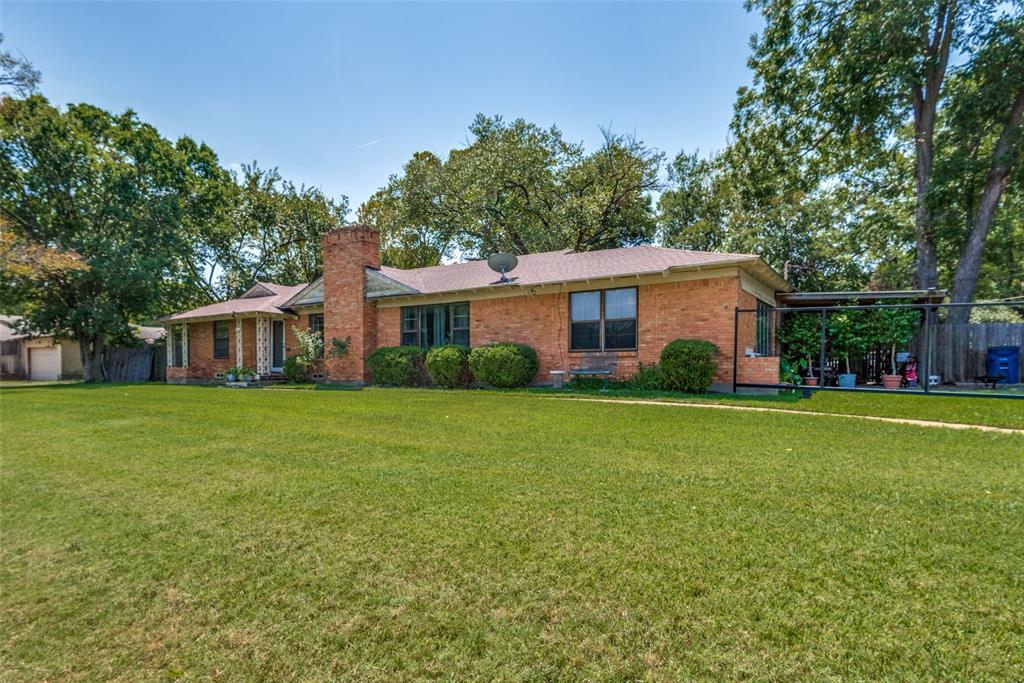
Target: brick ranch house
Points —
{"points": [[624, 303]]}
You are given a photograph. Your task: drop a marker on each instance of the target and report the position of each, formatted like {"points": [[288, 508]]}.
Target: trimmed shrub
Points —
{"points": [[504, 365], [400, 366], [688, 365], [294, 371], [648, 378], [449, 365]]}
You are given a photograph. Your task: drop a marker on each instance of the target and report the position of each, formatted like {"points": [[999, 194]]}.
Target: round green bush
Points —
{"points": [[648, 378], [504, 365], [449, 365], [400, 366], [688, 365], [293, 371]]}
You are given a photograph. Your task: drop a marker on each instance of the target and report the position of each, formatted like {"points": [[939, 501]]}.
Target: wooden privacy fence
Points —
{"points": [[960, 352], [141, 364]]}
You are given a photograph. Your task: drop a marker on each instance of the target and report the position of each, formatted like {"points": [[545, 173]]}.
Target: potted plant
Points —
{"points": [[801, 333], [231, 374], [894, 328], [245, 375], [846, 331]]}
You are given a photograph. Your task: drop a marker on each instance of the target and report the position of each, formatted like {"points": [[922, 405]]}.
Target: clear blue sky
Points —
{"points": [[339, 95]]}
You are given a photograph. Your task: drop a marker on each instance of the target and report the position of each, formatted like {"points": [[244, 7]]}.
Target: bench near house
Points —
{"points": [[623, 303]]}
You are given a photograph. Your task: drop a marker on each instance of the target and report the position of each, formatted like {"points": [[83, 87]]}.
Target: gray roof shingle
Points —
{"points": [[562, 266], [251, 304]]}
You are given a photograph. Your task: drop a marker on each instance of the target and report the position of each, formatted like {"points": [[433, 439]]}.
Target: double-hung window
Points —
{"points": [[435, 325], [603, 320], [221, 339]]}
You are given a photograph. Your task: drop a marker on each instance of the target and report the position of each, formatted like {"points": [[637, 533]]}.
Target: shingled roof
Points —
{"points": [[567, 266], [263, 297]]}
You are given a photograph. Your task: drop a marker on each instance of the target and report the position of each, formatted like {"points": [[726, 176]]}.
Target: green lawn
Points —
{"points": [[155, 532], [995, 412]]}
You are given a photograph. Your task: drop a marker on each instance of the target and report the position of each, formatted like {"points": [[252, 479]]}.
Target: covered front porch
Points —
{"points": [[206, 349], [252, 332]]}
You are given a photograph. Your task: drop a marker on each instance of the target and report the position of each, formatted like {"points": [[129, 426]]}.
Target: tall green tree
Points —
{"points": [[109, 189], [848, 236], [274, 233], [843, 84], [516, 187]]}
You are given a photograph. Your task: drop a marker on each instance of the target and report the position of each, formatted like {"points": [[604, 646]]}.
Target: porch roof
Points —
{"points": [[818, 299], [262, 298]]}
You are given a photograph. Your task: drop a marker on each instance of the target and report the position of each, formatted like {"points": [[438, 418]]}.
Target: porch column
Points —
{"points": [[239, 361], [184, 345], [262, 346], [169, 341]]}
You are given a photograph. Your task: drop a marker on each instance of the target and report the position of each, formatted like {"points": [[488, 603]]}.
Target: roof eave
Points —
{"points": [[298, 295], [776, 280]]}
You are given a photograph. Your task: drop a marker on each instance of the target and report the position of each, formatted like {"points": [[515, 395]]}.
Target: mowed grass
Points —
{"points": [[156, 532], [974, 410]]}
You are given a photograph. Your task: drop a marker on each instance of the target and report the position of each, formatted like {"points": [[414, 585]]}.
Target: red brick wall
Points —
{"points": [[758, 370], [389, 326], [692, 309], [753, 370], [201, 363], [347, 313], [204, 367]]}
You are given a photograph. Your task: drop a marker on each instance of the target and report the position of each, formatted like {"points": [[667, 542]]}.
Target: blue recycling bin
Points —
{"points": [[1005, 361]]}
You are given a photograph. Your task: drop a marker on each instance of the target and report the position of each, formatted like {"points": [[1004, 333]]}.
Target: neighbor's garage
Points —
{"points": [[44, 363]]}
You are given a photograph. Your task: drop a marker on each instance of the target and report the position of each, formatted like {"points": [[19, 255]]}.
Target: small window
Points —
{"points": [[603, 320], [763, 347], [221, 339], [460, 324], [411, 326], [585, 314]]}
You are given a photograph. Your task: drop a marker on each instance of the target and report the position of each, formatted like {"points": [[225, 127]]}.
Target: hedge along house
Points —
{"points": [[624, 304]]}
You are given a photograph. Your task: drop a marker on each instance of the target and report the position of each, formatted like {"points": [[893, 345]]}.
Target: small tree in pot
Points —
{"points": [[893, 328], [846, 331], [801, 333]]}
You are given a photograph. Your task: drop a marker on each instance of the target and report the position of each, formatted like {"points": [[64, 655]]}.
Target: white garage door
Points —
{"points": [[44, 364]]}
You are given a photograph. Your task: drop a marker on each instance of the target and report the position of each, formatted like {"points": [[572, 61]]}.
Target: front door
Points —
{"points": [[276, 345]]}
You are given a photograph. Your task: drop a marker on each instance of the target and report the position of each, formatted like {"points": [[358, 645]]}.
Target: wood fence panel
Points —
{"points": [[130, 365], [960, 352]]}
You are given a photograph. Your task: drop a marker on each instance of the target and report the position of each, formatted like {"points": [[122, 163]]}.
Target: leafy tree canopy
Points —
{"points": [[109, 189], [274, 233], [516, 187]]}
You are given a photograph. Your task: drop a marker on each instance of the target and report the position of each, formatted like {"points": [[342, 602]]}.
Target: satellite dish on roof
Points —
{"points": [[502, 263]]}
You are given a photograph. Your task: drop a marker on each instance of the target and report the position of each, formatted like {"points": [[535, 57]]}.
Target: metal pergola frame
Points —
{"points": [[929, 313]]}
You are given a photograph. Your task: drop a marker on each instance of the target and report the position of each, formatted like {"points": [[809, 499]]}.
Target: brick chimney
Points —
{"points": [[347, 313]]}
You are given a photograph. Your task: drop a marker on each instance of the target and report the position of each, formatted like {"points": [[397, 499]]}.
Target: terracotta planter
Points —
{"points": [[810, 381], [892, 381]]}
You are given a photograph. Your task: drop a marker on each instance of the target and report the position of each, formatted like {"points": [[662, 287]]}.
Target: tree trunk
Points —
{"points": [[969, 266], [926, 269], [925, 98], [93, 362]]}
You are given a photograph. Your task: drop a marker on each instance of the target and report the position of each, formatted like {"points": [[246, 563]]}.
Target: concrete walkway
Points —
{"points": [[756, 409]]}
